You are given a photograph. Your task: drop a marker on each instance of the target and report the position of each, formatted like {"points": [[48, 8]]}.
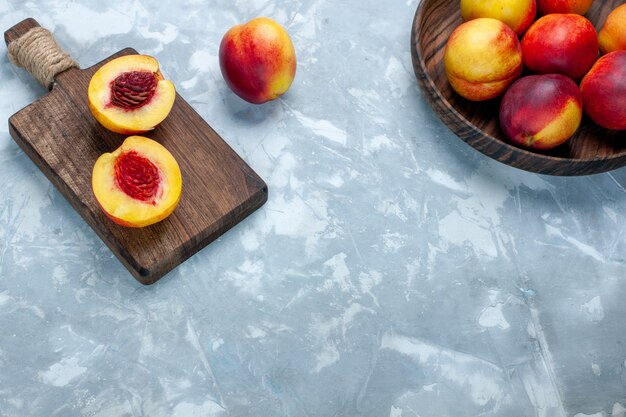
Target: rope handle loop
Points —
{"points": [[37, 51]]}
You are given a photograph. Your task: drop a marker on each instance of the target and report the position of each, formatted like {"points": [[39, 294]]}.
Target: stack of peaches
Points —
{"points": [[568, 67]]}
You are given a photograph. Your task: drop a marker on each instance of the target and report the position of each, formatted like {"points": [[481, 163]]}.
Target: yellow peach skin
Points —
{"points": [[564, 126], [138, 184], [129, 95], [482, 58], [517, 14], [612, 36], [258, 60]]}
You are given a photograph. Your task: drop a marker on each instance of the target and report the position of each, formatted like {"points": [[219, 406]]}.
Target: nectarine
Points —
{"points": [[482, 58], [258, 60], [138, 184], [129, 95], [563, 6], [612, 35], [604, 91], [560, 44], [541, 111], [517, 14]]}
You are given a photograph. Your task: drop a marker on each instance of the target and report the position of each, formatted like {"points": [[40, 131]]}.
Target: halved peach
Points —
{"points": [[128, 95], [138, 184]]}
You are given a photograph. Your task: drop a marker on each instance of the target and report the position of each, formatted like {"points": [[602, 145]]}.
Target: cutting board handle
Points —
{"points": [[34, 48]]}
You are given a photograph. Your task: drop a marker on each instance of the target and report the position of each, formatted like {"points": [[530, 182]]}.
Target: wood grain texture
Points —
{"points": [[18, 30], [591, 150], [61, 136]]}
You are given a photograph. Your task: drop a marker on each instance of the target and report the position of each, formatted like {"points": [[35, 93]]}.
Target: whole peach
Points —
{"points": [[612, 36], [258, 60], [560, 43], [517, 14], [541, 111], [563, 6], [604, 91], [482, 58]]}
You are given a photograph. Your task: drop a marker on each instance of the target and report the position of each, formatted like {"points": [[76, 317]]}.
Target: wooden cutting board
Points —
{"points": [[64, 140]]}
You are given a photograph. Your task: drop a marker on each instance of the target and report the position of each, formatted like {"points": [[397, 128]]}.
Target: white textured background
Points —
{"points": [[394, 272]]}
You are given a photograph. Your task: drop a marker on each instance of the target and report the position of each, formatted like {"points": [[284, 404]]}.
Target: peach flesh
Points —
{"points": [[123, 98], [138, 184], [137, 176], [131, 90]]}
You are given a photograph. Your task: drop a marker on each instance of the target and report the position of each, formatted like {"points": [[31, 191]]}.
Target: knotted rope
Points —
{"points": [[39, 54]]}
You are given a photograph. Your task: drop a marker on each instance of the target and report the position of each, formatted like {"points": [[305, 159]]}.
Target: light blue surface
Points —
{"points": [[394, 272]]}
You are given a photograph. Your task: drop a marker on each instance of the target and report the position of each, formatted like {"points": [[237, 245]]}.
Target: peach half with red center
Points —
{"points": [[138, 184], [258, 60], [128, 94], [541, 111]]}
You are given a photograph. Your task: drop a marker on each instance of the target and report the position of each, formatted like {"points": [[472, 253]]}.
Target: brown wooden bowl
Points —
{"points": [[591, 150]]}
